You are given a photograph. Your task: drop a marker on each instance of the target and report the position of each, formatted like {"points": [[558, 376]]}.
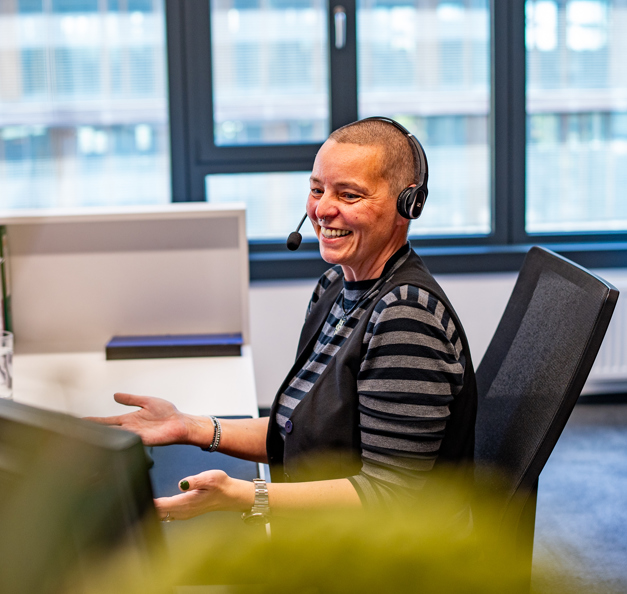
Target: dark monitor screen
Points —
{"points": [[70, 490]]}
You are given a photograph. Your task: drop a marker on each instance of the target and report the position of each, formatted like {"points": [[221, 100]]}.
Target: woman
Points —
{"points": [[383, 388]]}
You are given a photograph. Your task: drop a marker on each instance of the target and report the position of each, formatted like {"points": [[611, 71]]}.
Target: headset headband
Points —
{"points": [[418, 151]]}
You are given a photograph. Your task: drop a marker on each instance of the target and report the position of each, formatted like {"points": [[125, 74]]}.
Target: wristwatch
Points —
{"points": [[260, 511]]}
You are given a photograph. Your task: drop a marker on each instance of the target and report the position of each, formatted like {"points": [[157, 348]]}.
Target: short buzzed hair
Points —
{"points": [[399, 167]]}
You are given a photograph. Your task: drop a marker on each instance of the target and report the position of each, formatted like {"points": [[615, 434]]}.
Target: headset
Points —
{"points": [[411, 200]]}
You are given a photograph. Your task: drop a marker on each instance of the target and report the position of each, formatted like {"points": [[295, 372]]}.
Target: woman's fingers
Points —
{"points": [[185, 506], [116, 420], [201, 493], [121, 398], [174, 508], [131, 399], [209, 480]]}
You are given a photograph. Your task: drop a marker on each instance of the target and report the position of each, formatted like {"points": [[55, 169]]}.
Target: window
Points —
{"points": [[83, 104], [521, 107], [427, 65], [280, 81], [576, 116], [270, 75]]}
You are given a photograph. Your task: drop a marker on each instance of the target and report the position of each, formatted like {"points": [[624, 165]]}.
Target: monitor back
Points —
{"points": [[71, 491]]}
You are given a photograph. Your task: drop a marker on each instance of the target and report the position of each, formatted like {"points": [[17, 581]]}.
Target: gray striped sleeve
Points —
{"points": [[412, 367]]}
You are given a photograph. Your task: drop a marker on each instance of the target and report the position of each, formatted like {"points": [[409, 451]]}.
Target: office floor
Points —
{"points": [[582, 500]]}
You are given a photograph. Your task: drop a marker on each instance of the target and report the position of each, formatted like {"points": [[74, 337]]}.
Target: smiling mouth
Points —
{"points": [[330, 233]]}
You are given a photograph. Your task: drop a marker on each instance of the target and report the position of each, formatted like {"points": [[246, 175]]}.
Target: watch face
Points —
{"points": [[256, 519]]}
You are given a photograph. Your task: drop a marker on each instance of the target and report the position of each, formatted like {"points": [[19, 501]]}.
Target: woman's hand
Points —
{"points": [[212, 490], [157, 422]]}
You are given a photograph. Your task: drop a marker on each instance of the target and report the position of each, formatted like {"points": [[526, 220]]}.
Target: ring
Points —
{"points": [[167, 518]]}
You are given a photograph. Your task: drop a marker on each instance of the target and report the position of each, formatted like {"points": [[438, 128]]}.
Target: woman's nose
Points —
{"points": [[326, 208]]}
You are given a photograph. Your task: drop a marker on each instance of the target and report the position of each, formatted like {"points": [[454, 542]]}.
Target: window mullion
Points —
{"points": [[508, 120], [499, 121], [179, 155], [517, 127], [343, 66]]}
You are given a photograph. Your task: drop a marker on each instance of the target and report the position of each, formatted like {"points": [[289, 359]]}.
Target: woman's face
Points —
{"points": [[352, 211]]}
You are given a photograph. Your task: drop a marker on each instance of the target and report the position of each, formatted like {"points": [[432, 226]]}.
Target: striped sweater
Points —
{"points": [[412, 366]]}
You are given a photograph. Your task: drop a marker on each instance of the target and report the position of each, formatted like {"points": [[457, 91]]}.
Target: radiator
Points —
{"points": [[609, 372]]}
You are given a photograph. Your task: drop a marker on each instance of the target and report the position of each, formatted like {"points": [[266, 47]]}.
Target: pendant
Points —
{"points": [[339, 325]]}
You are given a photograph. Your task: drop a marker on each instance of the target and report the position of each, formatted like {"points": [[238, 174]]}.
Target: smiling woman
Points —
{"points": [[383, 389], [352, 201], [353, 210]]}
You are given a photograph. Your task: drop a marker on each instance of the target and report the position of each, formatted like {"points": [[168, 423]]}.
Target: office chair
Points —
{"points": [[528, 383]]}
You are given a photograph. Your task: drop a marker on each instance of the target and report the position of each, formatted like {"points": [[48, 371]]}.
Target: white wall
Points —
{"points": [[278, 311]]}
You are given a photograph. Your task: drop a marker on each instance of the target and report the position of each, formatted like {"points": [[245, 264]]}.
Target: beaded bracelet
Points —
{"points": [[217, 432]]}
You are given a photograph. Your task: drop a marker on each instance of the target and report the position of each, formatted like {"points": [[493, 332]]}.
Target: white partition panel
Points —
{"points": [[79, 278]]}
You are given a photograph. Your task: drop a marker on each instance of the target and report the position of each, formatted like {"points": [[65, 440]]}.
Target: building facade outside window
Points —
{"points": [[576, 115], [424, 63], [254, 87], [83, 103]]}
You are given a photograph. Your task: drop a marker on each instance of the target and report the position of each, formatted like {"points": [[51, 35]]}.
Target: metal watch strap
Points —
{"points": [[260, 511]]}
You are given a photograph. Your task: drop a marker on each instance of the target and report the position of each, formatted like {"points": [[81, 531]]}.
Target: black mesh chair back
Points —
{"points": [[533, 372]]}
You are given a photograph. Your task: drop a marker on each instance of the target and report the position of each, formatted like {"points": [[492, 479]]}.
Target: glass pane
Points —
{"points": [[270, 74], [275, 201], [83, 107], [425, 63], [576, 115]]}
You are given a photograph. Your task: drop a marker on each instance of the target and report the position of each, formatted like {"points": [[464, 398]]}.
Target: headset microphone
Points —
{"points": [[293, 241]]}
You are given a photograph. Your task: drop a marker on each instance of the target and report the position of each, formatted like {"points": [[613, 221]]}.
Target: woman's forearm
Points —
{"points": [[214, 490], [285, 498], [241, 438]]}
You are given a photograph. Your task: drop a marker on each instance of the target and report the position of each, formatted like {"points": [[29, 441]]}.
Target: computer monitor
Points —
{"points": [[70, 490]]}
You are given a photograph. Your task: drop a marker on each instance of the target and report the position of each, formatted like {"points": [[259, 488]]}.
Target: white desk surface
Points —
{"points": [[83, 384]]}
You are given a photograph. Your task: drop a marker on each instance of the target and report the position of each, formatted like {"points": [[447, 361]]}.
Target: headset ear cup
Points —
{"points": [[411, 202], [418, 203], [404, 203]]}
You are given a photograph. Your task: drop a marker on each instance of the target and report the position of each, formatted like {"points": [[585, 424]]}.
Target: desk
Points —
{"points": [[83, 384]]}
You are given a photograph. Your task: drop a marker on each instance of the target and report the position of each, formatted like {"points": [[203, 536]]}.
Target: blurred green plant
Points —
{"points": [[420, 548]]}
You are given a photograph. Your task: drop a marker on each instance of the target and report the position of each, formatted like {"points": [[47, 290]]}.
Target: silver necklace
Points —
{"points": [[373, 291], [345, 314]]}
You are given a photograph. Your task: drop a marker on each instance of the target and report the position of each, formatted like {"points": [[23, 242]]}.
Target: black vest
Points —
{"points": [[324, 442]]}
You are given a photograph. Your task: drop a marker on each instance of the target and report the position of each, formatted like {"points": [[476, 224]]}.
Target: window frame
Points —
{"points": [[194, 154]]}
